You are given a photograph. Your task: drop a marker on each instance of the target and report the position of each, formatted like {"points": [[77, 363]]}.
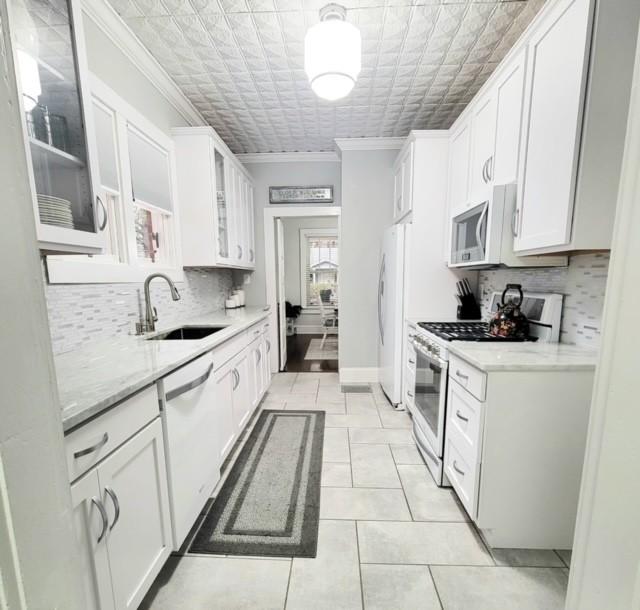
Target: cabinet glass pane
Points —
{"points": [[105, 127], [221, 199], [48, 81], [149, 171]]}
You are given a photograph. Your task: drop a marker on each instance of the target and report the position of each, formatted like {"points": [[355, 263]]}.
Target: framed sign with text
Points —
{"points": [[301, 194]]}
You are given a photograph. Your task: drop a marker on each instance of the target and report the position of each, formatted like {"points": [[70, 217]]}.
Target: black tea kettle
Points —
{"points": [[508, 321]]}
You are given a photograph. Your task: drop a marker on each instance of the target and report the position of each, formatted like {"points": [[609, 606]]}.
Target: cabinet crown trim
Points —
{"points": [[105, 16]]}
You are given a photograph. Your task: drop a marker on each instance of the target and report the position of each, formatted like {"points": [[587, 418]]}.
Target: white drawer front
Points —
{"points": [[470, 378], [465, 417], [409, 388], [90, 443], [254, 331], [462, 473], [223, 353]]}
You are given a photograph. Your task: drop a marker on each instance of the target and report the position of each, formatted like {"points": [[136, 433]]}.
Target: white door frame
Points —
{"points": [[270, 215]]}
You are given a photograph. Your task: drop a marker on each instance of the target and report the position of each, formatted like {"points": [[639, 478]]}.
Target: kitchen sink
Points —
{"points": [[186, 333]]}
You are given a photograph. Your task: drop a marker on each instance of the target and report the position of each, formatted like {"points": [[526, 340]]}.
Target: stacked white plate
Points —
{"points": [[55, 211]]}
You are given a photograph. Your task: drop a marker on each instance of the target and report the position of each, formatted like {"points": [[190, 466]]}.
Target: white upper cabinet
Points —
{"points": [[403, 183], [558, 52], [509, 92], [58, 126], [216, 202], [459, 167], [551, 119], [579, 72], [483, 133]]}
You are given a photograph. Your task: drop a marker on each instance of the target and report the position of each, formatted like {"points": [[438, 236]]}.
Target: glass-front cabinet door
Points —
{"points": [[222, 206], [50, 65]]}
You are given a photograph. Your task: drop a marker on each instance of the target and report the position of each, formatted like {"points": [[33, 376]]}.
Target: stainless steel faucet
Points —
{"points": [[151, 314]]}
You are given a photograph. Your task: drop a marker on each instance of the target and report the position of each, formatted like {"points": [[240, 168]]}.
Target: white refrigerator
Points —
{"points": [[390, 311]]}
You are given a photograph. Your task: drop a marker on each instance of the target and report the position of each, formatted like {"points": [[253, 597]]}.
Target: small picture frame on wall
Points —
{"points": [[300, 194]]}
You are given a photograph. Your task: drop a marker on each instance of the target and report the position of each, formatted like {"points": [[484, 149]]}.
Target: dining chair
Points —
{"points": [[328, 318]]}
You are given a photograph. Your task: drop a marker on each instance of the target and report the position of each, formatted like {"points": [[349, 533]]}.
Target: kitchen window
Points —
{"points": [[319, 264], [137, 190]]}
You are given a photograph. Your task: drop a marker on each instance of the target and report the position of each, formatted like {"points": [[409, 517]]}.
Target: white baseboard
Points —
{"points": [[359, 375]]}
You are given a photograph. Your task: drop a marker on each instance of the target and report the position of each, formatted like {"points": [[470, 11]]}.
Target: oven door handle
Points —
{"points": [[430, 357]]}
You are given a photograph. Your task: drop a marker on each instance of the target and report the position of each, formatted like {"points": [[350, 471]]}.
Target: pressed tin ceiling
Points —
{"points": [[241, 63]]}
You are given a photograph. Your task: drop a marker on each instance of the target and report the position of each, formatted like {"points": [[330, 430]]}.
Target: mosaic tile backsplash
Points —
{"points": [[79, 313], [582, 283]]}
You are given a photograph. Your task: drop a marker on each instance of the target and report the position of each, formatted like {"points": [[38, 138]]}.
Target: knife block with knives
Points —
{"points": [[468, 308]]}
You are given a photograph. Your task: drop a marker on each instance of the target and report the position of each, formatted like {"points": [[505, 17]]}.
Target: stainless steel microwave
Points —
{"points": [[469, 239]]}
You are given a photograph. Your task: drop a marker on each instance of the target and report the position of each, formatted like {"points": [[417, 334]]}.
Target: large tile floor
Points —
{"points": [[389, 538]]}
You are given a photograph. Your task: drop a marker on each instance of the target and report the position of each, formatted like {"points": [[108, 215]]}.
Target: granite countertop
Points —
{"points": [[525, 356], [95, 377]]}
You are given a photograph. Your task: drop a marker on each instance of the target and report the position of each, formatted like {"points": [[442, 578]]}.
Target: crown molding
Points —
{"points": [[123, 37], [428, 134], [370, 143], [289, 157]]}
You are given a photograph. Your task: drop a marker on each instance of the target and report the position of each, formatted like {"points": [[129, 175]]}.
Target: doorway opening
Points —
{"points": [[302, 286]]}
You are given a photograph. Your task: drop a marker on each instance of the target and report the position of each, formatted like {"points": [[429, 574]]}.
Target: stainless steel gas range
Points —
{"points": [[427, 371]]}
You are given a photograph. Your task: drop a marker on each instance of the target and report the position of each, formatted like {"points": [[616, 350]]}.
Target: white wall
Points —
{"points": [[38, 568], [306, 173], [307, 321], [605, 567], [367, 201]]}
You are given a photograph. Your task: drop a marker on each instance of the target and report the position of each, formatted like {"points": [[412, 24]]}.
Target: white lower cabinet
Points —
{"points": [[242, 403], [256, 372], [225, 380], [122, 521], [514, 450], [266, 360], [90, 542]]}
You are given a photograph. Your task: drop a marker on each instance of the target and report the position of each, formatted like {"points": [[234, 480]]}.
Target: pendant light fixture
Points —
{"points": [[332, 50]]}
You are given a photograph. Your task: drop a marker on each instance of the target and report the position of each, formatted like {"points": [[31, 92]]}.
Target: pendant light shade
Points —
{"points": [[332, 50]]}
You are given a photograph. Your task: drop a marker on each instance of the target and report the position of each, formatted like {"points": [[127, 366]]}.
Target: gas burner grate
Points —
{"points": [[463, 331]]}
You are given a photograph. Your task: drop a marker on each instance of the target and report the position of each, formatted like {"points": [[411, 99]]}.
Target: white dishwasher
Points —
{"points": [[191, 441]]}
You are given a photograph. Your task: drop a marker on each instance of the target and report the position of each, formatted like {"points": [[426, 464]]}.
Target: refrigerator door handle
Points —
{"points": [[380, 294]]}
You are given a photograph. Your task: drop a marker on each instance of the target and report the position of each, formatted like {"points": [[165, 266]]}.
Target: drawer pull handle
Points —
{"points": [[455, 467], [236, 377], [409, 393], [189, 386], [411, 361], [116, 505], [103, 516], [460, 416], [99, 445], [462, 375]]}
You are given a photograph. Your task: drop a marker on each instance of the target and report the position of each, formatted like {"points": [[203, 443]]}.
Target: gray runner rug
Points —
{"points": [[270, 502]]}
